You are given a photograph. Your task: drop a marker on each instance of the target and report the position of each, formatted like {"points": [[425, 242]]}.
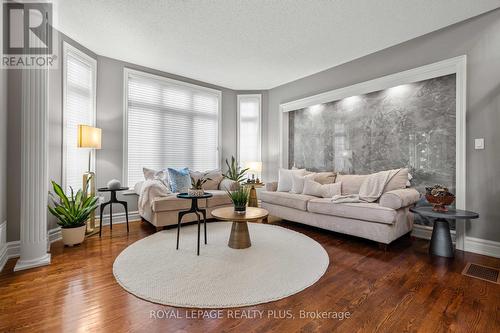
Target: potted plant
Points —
{"points": [[234, 172], [196, 189], [239, 199], [72, 213]]}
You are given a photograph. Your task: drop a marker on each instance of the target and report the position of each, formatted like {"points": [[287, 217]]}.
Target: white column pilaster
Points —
{"points": [[34, 169]]}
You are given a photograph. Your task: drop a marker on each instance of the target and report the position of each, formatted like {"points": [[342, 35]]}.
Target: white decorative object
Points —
{"points": [[220, 277], [114, 184], [196, 192]]}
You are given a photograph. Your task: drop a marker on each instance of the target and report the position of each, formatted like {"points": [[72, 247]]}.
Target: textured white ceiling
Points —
{"points": [[255, 44]]}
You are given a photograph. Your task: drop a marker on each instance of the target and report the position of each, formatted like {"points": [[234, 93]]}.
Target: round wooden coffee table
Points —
{"points": [[240, 238]]}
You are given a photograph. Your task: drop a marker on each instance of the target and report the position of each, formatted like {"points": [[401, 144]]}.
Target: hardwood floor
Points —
{"points": [[401, 290]]}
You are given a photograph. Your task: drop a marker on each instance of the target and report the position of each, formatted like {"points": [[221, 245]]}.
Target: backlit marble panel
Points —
{"points": [[412, 126]]}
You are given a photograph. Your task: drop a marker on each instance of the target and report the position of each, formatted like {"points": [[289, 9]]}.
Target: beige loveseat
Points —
{"points": [[163, 210], [382, 221], [166, 209]]}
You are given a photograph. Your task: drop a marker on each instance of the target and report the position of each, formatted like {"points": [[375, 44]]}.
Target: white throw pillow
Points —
{"points": [[285, 179], [151, 174], [298, 182], [323, 191]]}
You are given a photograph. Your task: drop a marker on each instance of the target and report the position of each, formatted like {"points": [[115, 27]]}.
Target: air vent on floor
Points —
{"points": [[481, 272]]}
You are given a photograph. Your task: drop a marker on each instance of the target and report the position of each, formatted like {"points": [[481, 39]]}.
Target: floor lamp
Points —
{"points": [[89, 137]]}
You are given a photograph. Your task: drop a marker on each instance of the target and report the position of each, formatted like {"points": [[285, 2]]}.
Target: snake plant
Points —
{"points": [[234, 172], [73, 211]]}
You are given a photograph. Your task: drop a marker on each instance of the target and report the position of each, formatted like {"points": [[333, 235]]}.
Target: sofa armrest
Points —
{"points": [[228, 184], [272, 186], [399, 198]]}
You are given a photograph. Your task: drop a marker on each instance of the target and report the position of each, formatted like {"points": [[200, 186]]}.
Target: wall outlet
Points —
{"points": [[479, 143]]}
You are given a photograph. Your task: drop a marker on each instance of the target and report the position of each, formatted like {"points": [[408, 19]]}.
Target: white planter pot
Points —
{"points": [[73, 236], [196, 192]]}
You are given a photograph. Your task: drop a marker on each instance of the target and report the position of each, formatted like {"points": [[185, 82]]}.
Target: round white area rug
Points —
{"points": [[280, 263]]}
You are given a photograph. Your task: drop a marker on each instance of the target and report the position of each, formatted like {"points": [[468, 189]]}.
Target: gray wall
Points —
{"points": [[479, 39]]}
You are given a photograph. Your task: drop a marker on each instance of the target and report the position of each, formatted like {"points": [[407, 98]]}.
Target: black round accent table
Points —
{"points": [[111, 201], [441, 244], [194, 209]]}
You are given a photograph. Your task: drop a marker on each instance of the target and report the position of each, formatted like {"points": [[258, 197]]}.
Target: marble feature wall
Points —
{"points": [[411, 125]]}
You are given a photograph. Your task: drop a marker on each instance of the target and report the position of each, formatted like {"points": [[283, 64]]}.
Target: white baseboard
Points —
{"points": [[120, 218], [472, 244], [482, 246]]}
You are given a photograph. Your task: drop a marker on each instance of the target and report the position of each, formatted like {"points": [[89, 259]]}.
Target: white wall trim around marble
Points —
{"points": [[456, 65]]}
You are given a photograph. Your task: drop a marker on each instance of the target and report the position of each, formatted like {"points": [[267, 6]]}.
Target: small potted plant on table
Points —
{"points": [[239, 199], [196, 189], [72, 213]]}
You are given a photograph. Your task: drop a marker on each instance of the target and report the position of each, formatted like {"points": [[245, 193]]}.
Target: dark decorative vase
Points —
{"points": [[240, 209]]}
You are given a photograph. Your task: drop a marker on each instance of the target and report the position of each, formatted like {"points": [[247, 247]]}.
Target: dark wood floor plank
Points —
{"points": [[401, 290]]}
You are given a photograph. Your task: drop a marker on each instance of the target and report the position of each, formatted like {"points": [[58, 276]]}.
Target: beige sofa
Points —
{"points": [[382, 221], [165, 210]]}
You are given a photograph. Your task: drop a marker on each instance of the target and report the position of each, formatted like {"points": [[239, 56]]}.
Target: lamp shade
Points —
{"points": [[89, 137], [255, 167]]}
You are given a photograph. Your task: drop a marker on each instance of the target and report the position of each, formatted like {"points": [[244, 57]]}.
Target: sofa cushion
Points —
{"points": [[220, 198], [316, 189], [399, 198], [214, 176], [350, 183], [171, 202], [297, 201], [371, 212], [398, 181], [179, 179]]}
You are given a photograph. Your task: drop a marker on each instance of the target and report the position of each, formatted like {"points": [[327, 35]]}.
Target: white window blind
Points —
{"points": [[169, 124], [79, 98], [249, 120]]}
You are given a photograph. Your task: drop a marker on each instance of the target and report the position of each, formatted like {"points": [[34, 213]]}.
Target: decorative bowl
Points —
{"points": [[196, 192], [439, 203]]}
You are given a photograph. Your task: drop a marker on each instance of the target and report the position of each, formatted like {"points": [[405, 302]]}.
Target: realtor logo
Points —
{"points": [[27, 35]]}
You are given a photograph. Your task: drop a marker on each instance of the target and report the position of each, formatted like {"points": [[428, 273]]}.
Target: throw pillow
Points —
{"points": [[351, 183], [161, 175], [316, 189], [285, 178], [215, 177], [298, 182], [398, 181], [325, 177], [179, 180]]}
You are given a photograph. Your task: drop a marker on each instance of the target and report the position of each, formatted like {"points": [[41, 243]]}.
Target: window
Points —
{"points": [[79, 107], [249, 114], [169, 124]]}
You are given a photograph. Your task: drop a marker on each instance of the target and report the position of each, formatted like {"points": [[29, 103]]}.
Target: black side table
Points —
{"points": [[441, 244], [194, 209], [111, 201]]}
